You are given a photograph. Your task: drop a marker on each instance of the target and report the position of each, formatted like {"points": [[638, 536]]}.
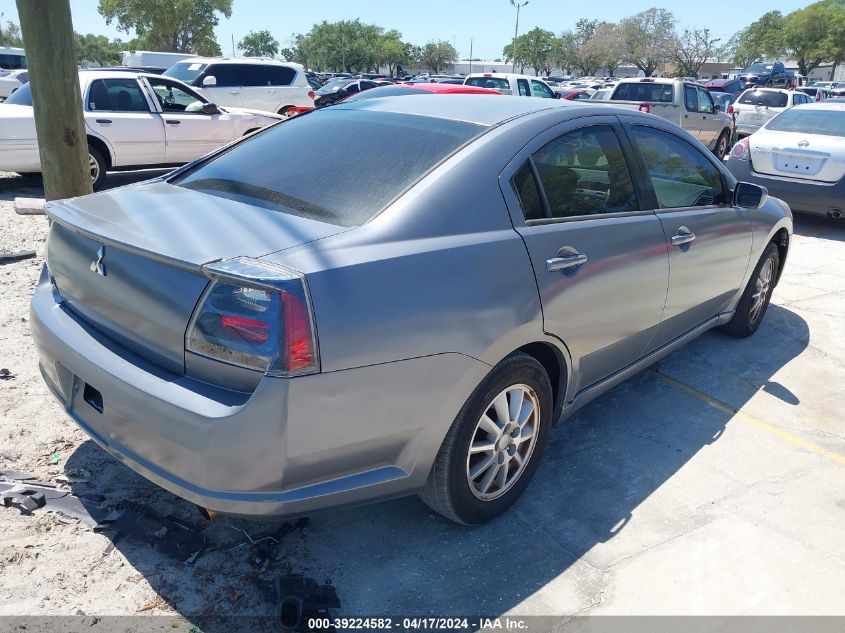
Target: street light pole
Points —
{"points": [[518, 6]]}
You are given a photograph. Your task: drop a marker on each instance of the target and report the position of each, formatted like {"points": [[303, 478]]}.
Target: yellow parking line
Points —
{"points": [[770, 428]]}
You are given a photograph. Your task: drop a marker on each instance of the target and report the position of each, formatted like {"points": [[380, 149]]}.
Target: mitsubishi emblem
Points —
{"points": [[97, 266], [803, 144]]}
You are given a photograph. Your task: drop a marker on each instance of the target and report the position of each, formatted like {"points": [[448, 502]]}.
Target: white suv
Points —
{"points": [[243, 82], [512, 84]]}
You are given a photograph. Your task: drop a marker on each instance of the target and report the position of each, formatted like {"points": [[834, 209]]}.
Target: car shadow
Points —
{"points": [[399, 558], [816, 226]]}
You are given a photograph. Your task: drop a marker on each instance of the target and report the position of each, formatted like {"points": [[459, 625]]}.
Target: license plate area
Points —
{"points": [[798, 164]]}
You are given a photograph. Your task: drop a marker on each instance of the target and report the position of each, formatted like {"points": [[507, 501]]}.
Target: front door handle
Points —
{"points": [[172, 122], [683, 236], [104, 121], [234, 92], [565, 259]]}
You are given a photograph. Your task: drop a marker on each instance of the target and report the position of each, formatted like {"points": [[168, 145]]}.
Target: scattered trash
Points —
{"points": [[8, 258], [17, 475], [170, 536], [75, 476], [23, 493], [299, 599], [265, 548], [5, 374], [54, 458]]}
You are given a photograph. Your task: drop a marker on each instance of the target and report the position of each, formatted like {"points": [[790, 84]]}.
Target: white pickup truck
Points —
{"points": [[687, 104]]}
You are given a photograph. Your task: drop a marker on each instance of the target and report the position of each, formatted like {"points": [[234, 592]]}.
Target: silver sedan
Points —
{"points": [[390, 297]]}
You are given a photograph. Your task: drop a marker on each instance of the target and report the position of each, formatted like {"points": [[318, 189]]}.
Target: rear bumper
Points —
{"points": [[802, 196], [291, 447]]}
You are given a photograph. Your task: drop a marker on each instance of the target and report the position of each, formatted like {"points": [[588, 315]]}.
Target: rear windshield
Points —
{"points": [[809, 121], [758, 68], [646, 91], [496, 83], [185, 71], [765, 98], [21, 96], [334, 165]]}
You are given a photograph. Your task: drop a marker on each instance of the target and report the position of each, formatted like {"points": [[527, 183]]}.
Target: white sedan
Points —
{"points": [[132, 121], [11, 80], [757, 105]]}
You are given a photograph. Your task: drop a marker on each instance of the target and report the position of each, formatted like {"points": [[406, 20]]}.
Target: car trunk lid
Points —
{"points": [[797, 155], [128, 262]]}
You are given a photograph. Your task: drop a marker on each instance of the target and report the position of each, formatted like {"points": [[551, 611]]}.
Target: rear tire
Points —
{"points": [[98, 167], [474, 486], [283, 111], [755, 299], [721, 148]]}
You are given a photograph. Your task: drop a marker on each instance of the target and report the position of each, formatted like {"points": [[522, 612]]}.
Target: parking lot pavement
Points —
{"points": [[709, 484]]}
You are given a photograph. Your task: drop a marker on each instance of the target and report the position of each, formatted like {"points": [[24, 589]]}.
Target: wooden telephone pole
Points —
{"points": [[47, 32]]}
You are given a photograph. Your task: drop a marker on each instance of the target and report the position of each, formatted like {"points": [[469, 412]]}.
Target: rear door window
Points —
{"points": [[226, 74], [116, 95], [496, 83], [522, 86], [680, 174], [300, 167], [281, 75], [584, 172], [541, 90], [691, 99], [525, 187]]}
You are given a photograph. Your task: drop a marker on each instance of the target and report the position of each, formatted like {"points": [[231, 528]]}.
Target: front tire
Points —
{"points": [[755, 299], [494, 445]]}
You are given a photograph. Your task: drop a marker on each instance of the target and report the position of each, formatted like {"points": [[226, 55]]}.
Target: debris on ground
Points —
{"points": [[29, 206], [171, 536], [8, 258], [28, 495], [298, 599], [75, 476], [5, 374]]}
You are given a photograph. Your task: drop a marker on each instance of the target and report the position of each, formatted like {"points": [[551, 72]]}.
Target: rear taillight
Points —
{"points": [[644, 107], [312, 94], [741, 151], [730, 109], [257, 315]]}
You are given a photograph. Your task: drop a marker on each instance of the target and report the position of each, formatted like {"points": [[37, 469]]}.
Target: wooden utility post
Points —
{"points": [[47, 32]]}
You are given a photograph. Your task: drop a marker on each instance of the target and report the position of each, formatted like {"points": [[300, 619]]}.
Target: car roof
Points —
{"points": [[478, 109], [503, 76], [826, 104], [439, 88], [242, 60]]}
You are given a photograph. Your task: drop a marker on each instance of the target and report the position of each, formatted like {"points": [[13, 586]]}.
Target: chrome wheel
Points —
{"points": [[503, 441], [94, 166], [722, 147], [762, 285]]}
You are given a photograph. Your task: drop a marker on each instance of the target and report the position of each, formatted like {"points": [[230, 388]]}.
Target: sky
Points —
{"points": [[488, 23]]}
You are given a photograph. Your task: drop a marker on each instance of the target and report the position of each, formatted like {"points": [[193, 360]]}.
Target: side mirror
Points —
{"points": [[749, 196], [209, 81], [210, 108], [717, 107], [556, 94]]}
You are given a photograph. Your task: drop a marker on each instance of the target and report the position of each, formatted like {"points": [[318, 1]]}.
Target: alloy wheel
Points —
{"points": [[762, 285], [94, 166], [503, 442]]}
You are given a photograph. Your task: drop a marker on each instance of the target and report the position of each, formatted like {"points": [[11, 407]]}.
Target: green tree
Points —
{"points": [[565, 53], [97, 50], [815, 34], [692, 48], [297, 51], [602, 50], [11, 35], [349, 45], [179, 26], [259, 44], [536, 48], [391, 51], [436, 55], [648, 39], [762, 38]]}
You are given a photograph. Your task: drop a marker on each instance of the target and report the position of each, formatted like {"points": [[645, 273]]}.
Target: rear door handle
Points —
{"points": [[683, 236], [565, 259], [172, 122], [104, 121], [234, 92]]}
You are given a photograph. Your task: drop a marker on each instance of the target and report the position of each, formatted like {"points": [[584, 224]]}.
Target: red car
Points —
{"points": [[576, 95], [409, 89]]}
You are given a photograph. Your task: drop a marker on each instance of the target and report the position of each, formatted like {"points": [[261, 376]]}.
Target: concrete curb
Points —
{"points": [[29, 206]]}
